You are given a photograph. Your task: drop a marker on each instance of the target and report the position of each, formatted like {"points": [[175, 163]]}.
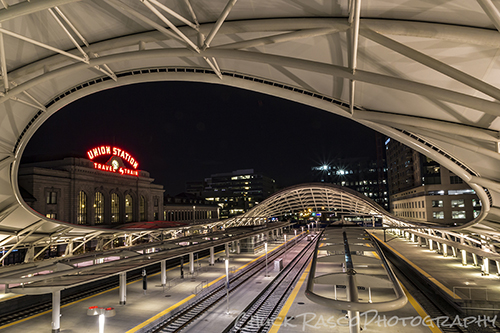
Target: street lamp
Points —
{"points": [[227, 284], [265, 247], [285, 250]]}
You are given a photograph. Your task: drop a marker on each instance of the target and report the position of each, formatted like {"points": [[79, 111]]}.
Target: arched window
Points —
{"points": [[128, 208], [142, 208], [115, 208], [81, 214], [99, 208]]}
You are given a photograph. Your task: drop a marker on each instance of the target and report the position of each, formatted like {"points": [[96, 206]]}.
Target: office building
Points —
{"points": [[234, 192], [362, 174], [423, 190]]}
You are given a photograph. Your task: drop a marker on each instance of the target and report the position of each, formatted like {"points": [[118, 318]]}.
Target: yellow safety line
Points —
{"points": [[421, 312], [282, 315], [424, 273], [173, 307]]}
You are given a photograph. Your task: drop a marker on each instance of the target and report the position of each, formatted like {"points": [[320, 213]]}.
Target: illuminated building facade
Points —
{"points": [[364, 175], [189, 208], [423, 190], [234, 192], [81, 191]]}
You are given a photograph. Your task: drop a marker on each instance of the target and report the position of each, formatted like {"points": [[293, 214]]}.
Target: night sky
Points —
{"points": [[181, 131]]}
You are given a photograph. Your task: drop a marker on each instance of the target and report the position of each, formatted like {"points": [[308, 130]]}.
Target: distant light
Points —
{"points": [[325, 167], [341, 172]]}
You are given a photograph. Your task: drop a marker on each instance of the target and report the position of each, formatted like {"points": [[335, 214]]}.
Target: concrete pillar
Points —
{"points": [[227, 250], [438, 245], [212, 260], [123, 288], [497, 262], [238, 247], [474, 259], [56, 311], [430, 245], [163, 272], [412, 238], [445, 250], [419, 240], [191, 263], [464, 257], [454, 250], [486, 266]]}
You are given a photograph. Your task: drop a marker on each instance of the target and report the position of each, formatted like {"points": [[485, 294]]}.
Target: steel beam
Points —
{"points": [[3, 63], [280, 38], [175, 14], [430, 62], [492, 11], [170, 25], [218, 24], [43, 45], [429, 124]]}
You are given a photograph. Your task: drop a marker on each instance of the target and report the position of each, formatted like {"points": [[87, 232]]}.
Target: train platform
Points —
{"points": [[142, 307], [299, 314], [465, 286]]}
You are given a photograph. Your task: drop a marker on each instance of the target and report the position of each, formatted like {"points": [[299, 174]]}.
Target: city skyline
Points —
{"points": [[183, 131]]}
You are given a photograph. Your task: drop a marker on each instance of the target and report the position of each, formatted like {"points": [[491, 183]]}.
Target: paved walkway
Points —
{"points": [[447, 273]]}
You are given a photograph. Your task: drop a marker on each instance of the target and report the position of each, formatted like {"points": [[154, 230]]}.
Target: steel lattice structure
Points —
{"points": [[317, 197], [424, 73]]}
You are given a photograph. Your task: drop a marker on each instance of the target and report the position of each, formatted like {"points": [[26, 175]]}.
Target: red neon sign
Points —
{"points": [[108, 150], [114, 165], [112, 168]]}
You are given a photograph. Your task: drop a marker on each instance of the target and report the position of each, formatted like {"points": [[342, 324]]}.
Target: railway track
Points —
{"points": [[258, 316], [187, 315]]}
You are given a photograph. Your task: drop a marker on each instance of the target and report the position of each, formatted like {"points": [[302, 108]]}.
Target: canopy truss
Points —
{"points": [[424, 74]]}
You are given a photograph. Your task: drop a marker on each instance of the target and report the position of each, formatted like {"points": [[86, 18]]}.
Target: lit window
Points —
{"points": [[52, 197], [128, 208], [458, 214], [459, 203], [458, 192], [51, 215], [115, 208], [81, 215], [438, 215], [98, 208], [476, 213], [437, 203]]}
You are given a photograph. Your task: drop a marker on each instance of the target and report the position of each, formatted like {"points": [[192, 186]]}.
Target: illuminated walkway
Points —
{"points": [[465, 285], [140, 306]]}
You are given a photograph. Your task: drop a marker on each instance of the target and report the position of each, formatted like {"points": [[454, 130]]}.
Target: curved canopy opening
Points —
{"points": [[422, 74]]}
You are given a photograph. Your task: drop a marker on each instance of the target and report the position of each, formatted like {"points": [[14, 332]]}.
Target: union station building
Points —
{"points": [[83, 191], [106, 189]]}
